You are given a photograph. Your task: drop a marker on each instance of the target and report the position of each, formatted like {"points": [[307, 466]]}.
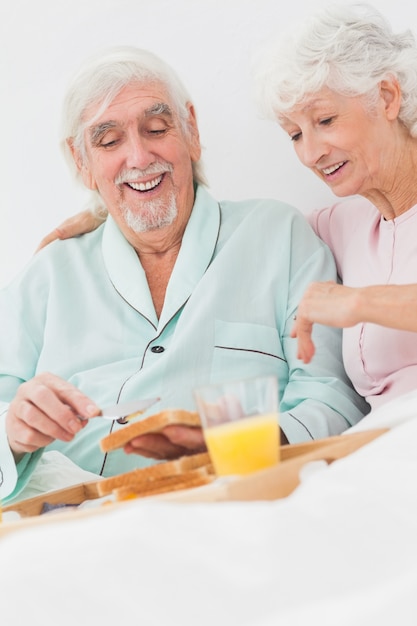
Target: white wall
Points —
{"points": [[208, 42]]}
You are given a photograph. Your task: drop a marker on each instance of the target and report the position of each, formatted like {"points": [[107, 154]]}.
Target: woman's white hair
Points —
{"points": [[98, 82], [347, 48]]}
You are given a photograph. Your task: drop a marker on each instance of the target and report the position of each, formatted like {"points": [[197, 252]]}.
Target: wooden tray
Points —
{"points": [[70, 495], [281, 480], [270, 484]]}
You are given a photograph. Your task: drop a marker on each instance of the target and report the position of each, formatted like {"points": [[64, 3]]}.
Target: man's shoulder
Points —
{"points": [[80, 244], [261, 209], [61, 255], [256, 206], [267, 223]]}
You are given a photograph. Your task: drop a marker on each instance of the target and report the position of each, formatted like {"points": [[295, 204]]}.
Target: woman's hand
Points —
{"points": [[79, 224], [324, 303]]}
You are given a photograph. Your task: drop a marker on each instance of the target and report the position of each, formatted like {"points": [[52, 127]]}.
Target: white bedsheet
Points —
{"points": [[341, 550]]}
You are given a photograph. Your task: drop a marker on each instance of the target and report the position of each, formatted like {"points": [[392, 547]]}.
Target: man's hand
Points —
{"points": [[171, 443], [324, 303], [44, 409], [79, 224]]}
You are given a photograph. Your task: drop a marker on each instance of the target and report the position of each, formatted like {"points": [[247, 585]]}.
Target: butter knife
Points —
{"points": [[124, 410]]}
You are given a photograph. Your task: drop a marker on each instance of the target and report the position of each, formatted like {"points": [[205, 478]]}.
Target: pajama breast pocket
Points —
{"points": [[243, 350]]}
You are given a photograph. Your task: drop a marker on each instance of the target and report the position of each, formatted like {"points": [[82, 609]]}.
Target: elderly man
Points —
{"points": [[174, 290]]}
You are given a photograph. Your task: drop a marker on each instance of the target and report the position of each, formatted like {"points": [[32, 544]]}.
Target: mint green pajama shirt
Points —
{"points": [[82, 310]]}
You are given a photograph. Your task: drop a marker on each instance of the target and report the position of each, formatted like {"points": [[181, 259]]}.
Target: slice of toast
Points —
{"points": [[154, 473], [151, 424], [193, 478]]}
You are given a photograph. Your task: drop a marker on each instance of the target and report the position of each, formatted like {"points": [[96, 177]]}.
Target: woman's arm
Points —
{"points": [[394, 306], [79, 224]]}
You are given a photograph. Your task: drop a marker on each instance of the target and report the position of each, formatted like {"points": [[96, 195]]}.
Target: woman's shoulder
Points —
{"points": [[343, 218]]}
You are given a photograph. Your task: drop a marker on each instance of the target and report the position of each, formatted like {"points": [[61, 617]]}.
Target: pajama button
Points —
{"points": [[157, 349]]}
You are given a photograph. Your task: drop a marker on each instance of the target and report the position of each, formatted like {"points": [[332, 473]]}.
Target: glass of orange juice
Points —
{"points": [[240, 424]]}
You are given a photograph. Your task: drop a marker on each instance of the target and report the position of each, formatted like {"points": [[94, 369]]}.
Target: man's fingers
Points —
{"points": [[172, 442], [57, 398], [44, 409], [30, 428], [154, 446], [190, 438], [27, 439], [34, 417]]}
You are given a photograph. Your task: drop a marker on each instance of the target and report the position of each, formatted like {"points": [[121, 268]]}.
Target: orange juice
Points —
{"points": [[245, 445]]}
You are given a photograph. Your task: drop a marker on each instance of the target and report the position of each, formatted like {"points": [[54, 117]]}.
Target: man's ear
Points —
{"points": [[82, 166], [390, 92], [194, 140]]}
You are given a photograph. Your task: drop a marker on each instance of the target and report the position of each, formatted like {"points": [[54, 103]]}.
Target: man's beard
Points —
{"points": [[150, 215]]}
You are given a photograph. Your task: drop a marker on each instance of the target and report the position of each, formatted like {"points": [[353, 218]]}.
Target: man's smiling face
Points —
{"points": [[139, 158]]}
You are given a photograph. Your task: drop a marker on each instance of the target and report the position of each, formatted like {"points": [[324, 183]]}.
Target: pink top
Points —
{"points": [[381, 362]]}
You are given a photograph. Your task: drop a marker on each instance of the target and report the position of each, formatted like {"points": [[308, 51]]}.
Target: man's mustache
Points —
{"points": [[132, 175]]}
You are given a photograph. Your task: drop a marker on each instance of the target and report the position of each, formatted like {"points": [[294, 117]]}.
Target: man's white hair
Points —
{"points": [[98, 82]]}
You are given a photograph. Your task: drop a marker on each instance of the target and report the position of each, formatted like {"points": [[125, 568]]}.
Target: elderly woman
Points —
{"points": [[343, 87]]}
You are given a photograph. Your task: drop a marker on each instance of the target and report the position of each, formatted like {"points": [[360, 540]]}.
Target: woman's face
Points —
{"points": [[342, 142]]}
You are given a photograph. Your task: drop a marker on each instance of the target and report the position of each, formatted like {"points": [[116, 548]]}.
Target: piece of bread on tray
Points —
{"points": [[151, 424], [154, 473], [193, 478]]}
